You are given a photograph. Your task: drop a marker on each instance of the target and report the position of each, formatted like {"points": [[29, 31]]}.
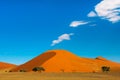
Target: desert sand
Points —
{"points": [[58, 76]]}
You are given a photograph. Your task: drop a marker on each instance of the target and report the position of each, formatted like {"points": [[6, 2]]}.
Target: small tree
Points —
{"points": [[105, 68], [38, 69], [10, 71], [35, 69], [41, 69], [108, 69], [22, 70]]}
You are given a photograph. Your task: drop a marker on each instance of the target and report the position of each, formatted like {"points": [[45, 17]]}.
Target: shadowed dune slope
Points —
{"points": [[64, 61]]}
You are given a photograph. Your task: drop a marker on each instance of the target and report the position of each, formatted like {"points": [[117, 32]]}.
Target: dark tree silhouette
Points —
{"points": [[22, 70], [38, 69], [10, 71], [105, 68]]}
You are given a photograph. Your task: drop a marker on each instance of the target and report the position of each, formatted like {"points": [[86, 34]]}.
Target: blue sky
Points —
{"points": [[84, 27]]}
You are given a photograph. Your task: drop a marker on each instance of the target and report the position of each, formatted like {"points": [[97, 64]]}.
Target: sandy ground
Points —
{"points": [[58, 76]]}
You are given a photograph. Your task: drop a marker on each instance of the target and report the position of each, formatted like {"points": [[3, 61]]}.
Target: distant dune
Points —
{"points": [[6, 66], [64, 61]]}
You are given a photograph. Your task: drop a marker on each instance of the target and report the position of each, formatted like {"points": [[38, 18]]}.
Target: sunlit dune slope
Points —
{"points": [[64, 61]]}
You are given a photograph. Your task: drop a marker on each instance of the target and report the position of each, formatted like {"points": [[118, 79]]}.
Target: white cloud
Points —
{"points": [[77, 23], [92, 14], [62, 38], [109, 10]]}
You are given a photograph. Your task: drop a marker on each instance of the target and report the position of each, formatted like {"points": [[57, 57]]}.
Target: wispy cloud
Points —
{"points": [[62, 38], [92, 14], [109, 10], [77, 23]]}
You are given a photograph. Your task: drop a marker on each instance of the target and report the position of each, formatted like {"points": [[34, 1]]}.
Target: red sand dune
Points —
{"points": [[6, 65], [62, 60]]}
